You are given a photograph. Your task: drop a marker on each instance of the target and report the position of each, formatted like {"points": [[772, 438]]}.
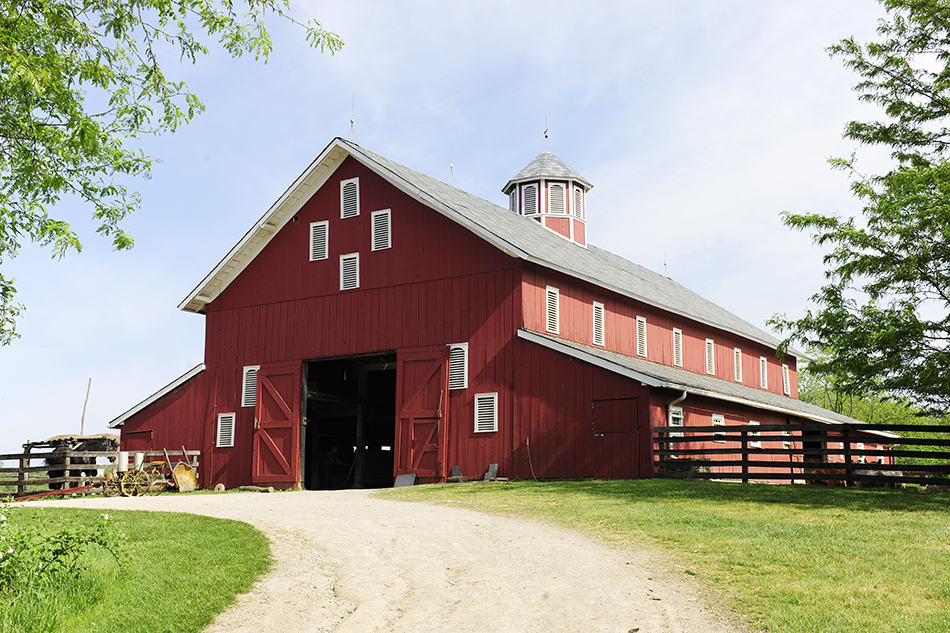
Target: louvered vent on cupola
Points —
{"points": [[556, 198], [249, 386], [578, 203], [530, 200], [225, 436], [486, 412], [382, 230], [350, 198], [551, 309], [319, 240], [458, 366], [350, 271]]}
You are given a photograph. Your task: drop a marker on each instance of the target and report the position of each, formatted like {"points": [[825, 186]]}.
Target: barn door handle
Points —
{"points": [[255, 423]]}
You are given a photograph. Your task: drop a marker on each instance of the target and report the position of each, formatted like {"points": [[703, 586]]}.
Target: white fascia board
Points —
{"points": [[232, 264], [591, 359], [185, 377]]}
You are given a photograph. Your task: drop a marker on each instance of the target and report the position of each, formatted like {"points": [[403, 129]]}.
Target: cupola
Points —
{"points": [[548, 191]]}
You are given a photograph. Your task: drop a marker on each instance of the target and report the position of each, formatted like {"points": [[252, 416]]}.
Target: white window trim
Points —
{"points": [[343, 183], [244, 390], [786, 443], [551, 186], [326, 240], [387, 213], [710, 357], [719, 419], [755, 443], [355, 256], [549, 292], [464, 347], [786, 381], [223, 416], [494, 398], [599, 308], [537, 199], [677, 338], [737, 360], [675, 412], [641, 336], [763, 372]]}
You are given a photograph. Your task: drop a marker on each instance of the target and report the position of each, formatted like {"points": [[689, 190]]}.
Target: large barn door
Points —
{"points": [[276, 442], [616, 424], [422, 389]]}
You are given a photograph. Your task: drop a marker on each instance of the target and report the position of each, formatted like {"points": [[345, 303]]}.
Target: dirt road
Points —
{"points": [[348, 562]]}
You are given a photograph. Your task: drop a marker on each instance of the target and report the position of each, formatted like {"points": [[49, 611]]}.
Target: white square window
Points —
{"points": [[350, 271], [249, 385], [225, 435], [382, 237], [551, 317], [486, 412], [350, 198], [458, 366], [319, 240], [756, 443], [675, 418], [719, 419], [598, 323]]}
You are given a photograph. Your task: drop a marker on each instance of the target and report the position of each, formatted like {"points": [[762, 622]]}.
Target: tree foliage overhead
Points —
{"points": [[79, 79], [882, 319]]}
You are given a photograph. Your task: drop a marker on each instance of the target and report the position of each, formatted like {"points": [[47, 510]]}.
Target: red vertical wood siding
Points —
{"points": [[576, 318]]}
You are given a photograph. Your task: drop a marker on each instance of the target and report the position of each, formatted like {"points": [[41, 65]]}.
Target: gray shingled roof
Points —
{"points": [[683, 380], [531, 241], [548, 166]]}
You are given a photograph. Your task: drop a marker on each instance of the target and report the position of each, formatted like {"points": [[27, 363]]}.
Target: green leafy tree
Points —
{"points": [[79, 81], [882, 318]]}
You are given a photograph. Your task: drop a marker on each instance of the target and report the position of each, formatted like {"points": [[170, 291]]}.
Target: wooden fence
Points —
{"points": [[798, 453], [32, 474]]}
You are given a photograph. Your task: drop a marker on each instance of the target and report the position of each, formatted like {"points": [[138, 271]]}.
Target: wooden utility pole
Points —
{"points": [[82, 421]]}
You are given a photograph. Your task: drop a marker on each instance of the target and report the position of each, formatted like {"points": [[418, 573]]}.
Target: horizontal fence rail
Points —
{"points": [[27, 473], [790, 453]]}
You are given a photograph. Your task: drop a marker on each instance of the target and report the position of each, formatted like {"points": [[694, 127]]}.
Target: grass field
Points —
{"points": [[179, 570], [789, 559]]}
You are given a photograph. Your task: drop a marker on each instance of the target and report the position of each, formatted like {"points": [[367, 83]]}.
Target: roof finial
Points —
{"points": [[545, 130], [353, 118]]}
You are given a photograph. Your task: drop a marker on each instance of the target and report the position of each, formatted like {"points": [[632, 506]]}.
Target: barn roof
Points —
{"points": [[497, 225], [664, 376]]}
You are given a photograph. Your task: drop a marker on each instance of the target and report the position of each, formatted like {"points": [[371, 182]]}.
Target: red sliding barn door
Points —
{"points": [[276, 443], [422, 391]]}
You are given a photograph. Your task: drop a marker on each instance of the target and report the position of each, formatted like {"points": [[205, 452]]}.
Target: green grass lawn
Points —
{"points": [[179, 571], [795, 559]]}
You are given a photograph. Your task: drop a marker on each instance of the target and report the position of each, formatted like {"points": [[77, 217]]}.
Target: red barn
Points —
{"points": [[376, 322]]}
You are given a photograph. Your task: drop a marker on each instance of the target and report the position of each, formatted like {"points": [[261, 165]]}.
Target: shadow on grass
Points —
{"points": [[804, 496]]}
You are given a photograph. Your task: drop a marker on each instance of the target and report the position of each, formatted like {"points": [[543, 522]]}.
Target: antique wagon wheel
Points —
{"points": [[156, 481], [134, 483]]}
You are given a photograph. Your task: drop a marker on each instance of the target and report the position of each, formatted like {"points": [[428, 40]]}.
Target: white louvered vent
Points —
{"points": [[598, 323], [349, 271], [678, 347], [319, 240], [578, 203], [710, 356], [737, 360], [676, 419], [350, 198], [786, 382], [530, 193], [458, 366], [719, 419], [486, 412], [556, 198], [249, 386], [382, 230], [551, 309], [763, 372], [513, 200], [225, 437], [641, 336]]}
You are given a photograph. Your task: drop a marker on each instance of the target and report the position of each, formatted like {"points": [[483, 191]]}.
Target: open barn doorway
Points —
{"points": [[349, 428]]}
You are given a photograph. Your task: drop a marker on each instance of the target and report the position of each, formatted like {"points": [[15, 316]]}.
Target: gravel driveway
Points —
{"points": [[346, 561]]}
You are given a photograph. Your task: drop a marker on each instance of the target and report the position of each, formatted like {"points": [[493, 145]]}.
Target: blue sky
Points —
{"points": [[697, 122]]}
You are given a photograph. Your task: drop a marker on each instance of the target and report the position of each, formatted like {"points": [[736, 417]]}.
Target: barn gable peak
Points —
{"points": [[552, 193]]}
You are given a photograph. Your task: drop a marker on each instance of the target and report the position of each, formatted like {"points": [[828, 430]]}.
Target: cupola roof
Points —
{"points": [[549, 167]]}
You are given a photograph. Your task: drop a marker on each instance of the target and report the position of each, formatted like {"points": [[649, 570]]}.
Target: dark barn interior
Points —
{"points": [[350, 422]]}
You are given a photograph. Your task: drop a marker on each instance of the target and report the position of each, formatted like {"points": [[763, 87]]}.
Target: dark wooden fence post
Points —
{"points": [[23, 475], [744, 438], [846, 435]]}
